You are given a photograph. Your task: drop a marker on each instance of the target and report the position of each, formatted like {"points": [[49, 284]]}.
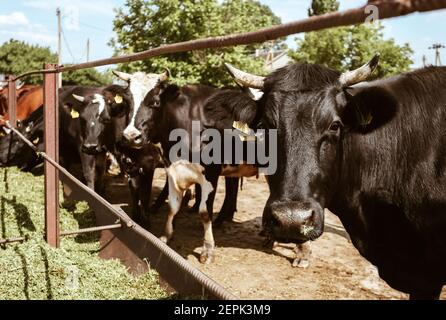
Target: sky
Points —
{"points": [[34, 21]]}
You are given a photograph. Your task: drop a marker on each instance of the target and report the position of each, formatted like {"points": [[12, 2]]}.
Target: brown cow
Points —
{"points": [[28, 102], [20, 91]]}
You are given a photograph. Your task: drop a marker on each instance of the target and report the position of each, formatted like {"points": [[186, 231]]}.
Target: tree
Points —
{"points": [[147, 24], [347, 48], [17, 57], [319, 7]]}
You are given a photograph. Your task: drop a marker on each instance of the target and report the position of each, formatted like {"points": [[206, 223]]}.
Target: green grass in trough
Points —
{"points": [[33, 270]]}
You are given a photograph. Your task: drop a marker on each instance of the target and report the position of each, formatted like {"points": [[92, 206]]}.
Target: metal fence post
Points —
{"points": [[12, 101], [52, 150]]}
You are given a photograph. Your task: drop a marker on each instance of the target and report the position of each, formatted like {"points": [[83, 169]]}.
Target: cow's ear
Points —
{"points": [[366, 108], [115, 101]]}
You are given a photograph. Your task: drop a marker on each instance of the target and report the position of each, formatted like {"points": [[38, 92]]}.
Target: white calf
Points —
{"points": [[181, 175]]}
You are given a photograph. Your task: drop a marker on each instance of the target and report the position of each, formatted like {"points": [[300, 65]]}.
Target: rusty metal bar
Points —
{"points": [[12, 240], [12, 101], [51, 117], [92, 229], [387, 9]]}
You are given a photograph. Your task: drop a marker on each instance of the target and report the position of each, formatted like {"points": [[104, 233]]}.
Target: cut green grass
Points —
{"points": [[33, 270]]}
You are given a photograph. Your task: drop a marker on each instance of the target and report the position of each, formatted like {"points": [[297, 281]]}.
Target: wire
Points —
{"points": [[67, 45], [93, 27]]}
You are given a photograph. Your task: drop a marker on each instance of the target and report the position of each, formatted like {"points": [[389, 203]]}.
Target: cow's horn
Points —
{"points": [[361, 74], [245, 79], [165, 75], [122, 75], [78, 98]]}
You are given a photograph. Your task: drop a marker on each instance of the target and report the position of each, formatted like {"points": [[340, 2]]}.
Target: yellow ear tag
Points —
{"points": [[118, 99], [74, 114], [36, 141]]}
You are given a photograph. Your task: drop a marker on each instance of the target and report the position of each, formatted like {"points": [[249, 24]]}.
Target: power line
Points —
{"points": [[93, 27], [67, 45]]}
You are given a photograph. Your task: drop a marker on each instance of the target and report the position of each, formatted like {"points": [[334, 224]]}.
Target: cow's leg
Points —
{"points": [[211, 175], [175, 199], [161, 198], [207, 252], [426, 294], [134, 184], [230, 203], [88, 169], [196, 206], [100, 173], [145, 192], [303, 255], [208, 190]]}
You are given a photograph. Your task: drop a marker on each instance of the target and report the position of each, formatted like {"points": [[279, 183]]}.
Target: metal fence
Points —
{"points": [[124, 238]]}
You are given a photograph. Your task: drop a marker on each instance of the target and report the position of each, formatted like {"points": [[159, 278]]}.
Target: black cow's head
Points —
{"points": [[94, 117], [14, 152], [143, 89], [312, 108]]}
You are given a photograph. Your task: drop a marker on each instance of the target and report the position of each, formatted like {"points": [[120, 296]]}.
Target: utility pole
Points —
{"points": [[424, 60], [88, 50], [59, 43], [437, 47]]}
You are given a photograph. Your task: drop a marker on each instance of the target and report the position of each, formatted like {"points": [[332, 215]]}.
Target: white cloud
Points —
{"points": [[29, 36], [84, 6], [16, 25], [14, 19]]}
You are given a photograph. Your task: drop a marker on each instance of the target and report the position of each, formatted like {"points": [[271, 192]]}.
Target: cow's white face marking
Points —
{"points": [[99, 99], [93, 123], [140, 85]]}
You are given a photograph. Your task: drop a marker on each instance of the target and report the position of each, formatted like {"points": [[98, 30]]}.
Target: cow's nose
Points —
{"points": [[132, 134], [89, 147], [295, 221]]}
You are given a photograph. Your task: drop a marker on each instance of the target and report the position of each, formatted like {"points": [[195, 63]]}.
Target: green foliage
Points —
{"points": [[347, 48], [17, 57], [33, 270], [319, 7], [86, 77], [147, 24]]}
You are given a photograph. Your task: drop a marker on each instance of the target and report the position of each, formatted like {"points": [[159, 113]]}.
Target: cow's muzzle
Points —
{"points": [[93, 149], [132, 138], [294, 221]]}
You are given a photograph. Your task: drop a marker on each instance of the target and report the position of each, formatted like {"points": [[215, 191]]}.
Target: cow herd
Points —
{"points": [[374, 153]]}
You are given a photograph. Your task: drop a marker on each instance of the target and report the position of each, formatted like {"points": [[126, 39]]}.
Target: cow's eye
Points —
{"points": [[335, 126]]}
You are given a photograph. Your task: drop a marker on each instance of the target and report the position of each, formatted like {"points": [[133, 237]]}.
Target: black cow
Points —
{"points": [[75, 137], [373, 153], [14, 152], [85, 124], [160, 108]]}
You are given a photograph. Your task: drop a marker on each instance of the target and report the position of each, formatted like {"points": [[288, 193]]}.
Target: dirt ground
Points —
{"points": [[250, 271]]}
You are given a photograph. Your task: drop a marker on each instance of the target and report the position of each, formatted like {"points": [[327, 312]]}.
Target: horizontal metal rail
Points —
{"points": [[386, 8], [89, 230], [12, 240]]}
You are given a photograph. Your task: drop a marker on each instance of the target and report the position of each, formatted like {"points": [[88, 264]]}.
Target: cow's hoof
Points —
{"points": [[301, 263], [207, 253], [222, 218]]}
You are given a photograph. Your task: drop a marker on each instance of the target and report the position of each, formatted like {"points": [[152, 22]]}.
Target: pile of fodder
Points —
{"points": [[33, 270]]}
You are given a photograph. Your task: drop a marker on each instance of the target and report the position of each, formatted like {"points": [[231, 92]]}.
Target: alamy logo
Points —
{"points": [[234, 147]]}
